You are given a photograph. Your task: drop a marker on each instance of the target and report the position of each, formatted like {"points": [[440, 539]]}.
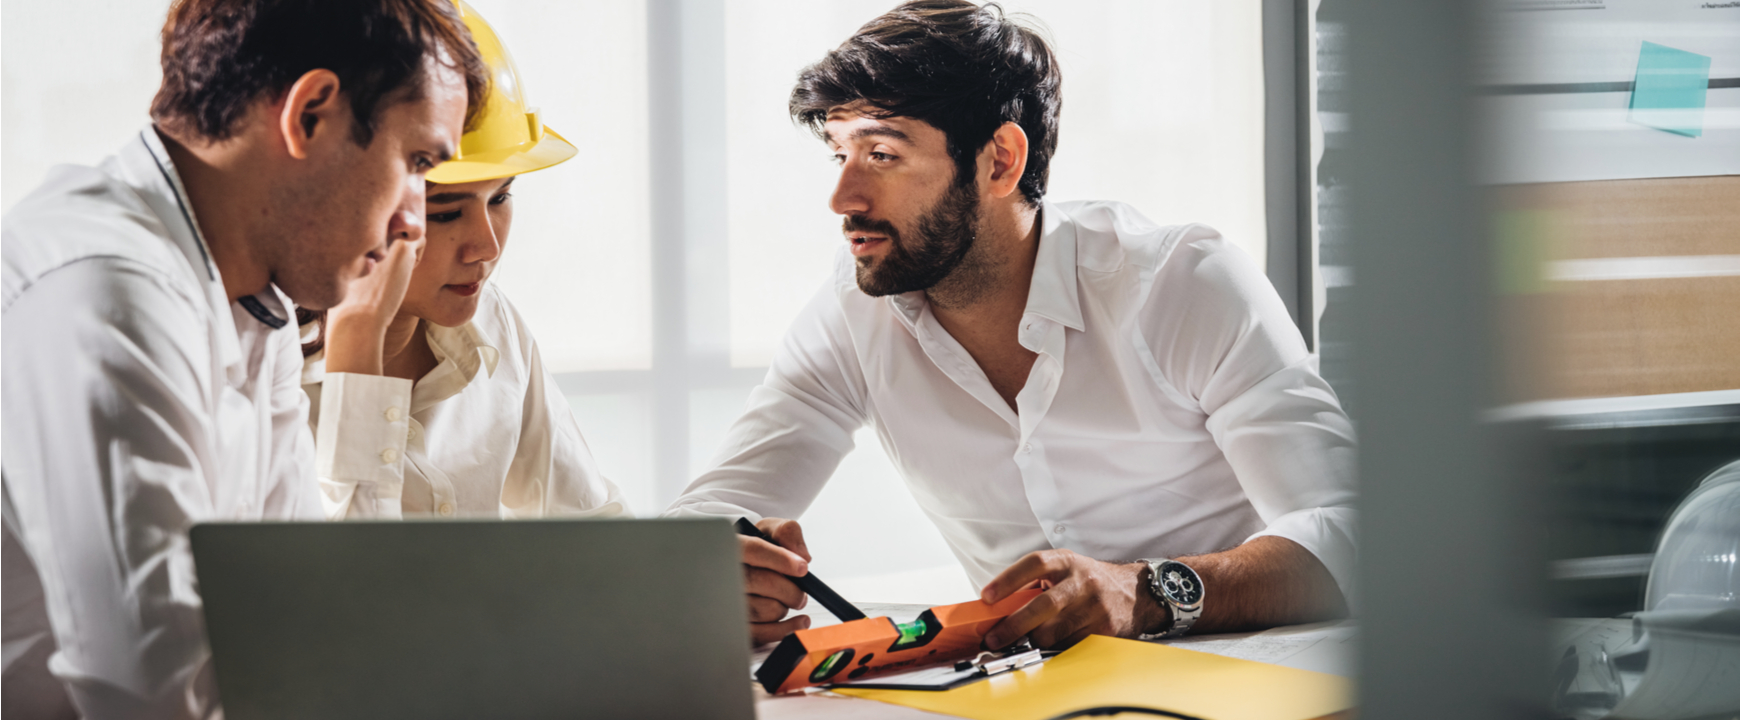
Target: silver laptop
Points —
{"points": [[474, 619]]}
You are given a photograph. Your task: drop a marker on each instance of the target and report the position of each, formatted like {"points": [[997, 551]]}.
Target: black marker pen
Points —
{"points": [[808, 583]]}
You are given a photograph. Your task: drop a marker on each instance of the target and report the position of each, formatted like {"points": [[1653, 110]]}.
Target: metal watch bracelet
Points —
{"points": [[1183, 614]]}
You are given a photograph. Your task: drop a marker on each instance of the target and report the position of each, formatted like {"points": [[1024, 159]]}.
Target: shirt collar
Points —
{"points": [[149, 165], [153, 174], [465, 347], [1052, 293]]}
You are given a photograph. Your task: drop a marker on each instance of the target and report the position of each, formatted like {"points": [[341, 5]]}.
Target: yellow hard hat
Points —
{"points": [[509, 138]]}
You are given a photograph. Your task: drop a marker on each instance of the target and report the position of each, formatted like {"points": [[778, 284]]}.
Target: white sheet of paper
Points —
{"points": [[1568, 137], [1320, 647]]}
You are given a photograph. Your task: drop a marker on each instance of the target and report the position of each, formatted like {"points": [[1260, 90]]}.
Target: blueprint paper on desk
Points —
{"points": [[1318, 647]]}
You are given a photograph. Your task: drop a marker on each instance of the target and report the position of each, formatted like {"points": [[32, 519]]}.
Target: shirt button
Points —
{"points": [[1060, 529], [389, 455], [411, 434], [1027, 447], [392, 414], [446, 509]]}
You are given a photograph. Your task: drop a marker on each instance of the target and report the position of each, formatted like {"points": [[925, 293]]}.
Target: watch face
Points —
{"points": [[1178, 582]]}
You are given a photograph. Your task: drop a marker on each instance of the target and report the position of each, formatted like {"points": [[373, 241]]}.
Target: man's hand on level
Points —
{"points": [[1082, 597]]}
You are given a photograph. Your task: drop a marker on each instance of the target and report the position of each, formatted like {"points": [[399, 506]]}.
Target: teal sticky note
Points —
{"points": [[1669, 91]]}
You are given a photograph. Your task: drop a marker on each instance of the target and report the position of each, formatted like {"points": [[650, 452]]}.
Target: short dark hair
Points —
{"points": [[962, 68], [219, 56]]}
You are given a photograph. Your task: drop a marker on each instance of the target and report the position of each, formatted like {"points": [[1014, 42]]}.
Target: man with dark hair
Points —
{"points": [[1081, 400], [151, 374]]}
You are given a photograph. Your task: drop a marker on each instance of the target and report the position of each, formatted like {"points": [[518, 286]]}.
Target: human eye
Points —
{"points": [[445, 217], [422, 163], [838, 158], [500, 199], [882, 157]]}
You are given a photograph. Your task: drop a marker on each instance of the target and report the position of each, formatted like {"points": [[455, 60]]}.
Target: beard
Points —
{"points": [[940, 242]]}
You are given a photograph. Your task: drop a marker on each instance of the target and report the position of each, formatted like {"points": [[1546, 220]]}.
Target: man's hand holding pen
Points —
{"points": [[768, 569]]}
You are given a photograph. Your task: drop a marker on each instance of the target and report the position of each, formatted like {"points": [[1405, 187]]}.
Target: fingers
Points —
{"points": [[403, 256], [764, 609], [787, 534], [763, 633], [763, 554], [1049, 565], [1076, 637], [1019, 623], [758, 582], [1079, 617]]}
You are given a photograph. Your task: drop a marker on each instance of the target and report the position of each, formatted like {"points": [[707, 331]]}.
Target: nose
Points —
{"points": [[483, 243], [851, 196], [405, 225], [407, 220]]}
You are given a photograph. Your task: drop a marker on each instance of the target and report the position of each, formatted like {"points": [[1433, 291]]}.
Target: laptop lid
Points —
{"points": [[468, 619]]}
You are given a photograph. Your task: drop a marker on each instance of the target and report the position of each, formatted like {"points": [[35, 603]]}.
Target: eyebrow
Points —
{"points": [[876, 131], [453, 197]]}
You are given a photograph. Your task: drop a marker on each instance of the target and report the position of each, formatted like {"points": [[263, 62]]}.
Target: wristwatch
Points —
{"points": [[1178, 587]]}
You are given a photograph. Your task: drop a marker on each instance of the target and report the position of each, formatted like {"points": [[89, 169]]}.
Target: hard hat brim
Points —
{"points": [[553, 149]]}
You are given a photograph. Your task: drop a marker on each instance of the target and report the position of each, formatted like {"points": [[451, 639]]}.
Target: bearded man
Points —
{"points": [[1080, 399]]}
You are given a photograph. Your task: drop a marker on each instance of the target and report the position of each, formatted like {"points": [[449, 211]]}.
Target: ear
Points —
{"points": [[1006, 155], [311, 109]]}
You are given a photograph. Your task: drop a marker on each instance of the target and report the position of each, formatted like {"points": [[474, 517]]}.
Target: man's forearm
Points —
{"points": [[1263, 583]]}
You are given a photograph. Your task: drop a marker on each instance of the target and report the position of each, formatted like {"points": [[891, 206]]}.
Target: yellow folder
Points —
{"points": [[1105, 671]]}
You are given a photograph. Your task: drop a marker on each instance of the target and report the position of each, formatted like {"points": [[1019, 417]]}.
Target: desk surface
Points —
{"points": [[1321, 647]]}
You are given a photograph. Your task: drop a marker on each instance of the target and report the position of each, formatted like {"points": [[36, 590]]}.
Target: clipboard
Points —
{"points": [[949, 676]]}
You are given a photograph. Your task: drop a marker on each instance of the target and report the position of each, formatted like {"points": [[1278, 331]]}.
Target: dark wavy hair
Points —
{"points": [[219, 56], [960, 67]]}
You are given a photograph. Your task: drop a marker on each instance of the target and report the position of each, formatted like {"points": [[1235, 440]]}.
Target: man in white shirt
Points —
{"points": [[1068, 389], [152, 376]]}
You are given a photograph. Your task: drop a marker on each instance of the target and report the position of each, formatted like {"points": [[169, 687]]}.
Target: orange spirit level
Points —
{"points": [[878, 645]]}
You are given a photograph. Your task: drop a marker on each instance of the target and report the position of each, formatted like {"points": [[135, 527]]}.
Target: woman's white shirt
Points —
{"points": [[486, 433]]}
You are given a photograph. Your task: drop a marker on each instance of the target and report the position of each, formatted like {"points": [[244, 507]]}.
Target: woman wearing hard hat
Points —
{"points": [[448, 409]]}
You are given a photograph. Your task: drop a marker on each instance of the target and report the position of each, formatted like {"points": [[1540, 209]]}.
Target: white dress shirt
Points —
{"points": [[1173, 408], [486, 433], [139, 401]]}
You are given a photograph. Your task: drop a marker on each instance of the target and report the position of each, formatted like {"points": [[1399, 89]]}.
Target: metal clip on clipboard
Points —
{"points": [[990, 663], [946, 677]]}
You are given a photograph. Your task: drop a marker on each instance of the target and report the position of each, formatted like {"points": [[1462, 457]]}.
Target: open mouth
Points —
{"points": [[864, 244]]}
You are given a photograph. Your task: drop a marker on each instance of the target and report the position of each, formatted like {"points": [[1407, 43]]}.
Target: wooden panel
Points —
{"points": [[1639, 218], [1613, 338]]}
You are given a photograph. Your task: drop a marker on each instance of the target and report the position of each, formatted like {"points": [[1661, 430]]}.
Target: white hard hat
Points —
{"points": [[1697, 563]]}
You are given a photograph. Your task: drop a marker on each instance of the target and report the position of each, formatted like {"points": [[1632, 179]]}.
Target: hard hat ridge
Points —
{"points": [[510, 137]]}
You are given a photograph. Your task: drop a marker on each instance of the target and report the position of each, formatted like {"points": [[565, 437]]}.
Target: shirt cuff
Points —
{"points": [[1327, 533], [360, 447]]}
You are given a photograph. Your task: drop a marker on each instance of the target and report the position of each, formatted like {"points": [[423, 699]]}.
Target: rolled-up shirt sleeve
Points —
{"points": [[797, 427], [360, 444], [1221, 338]]}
